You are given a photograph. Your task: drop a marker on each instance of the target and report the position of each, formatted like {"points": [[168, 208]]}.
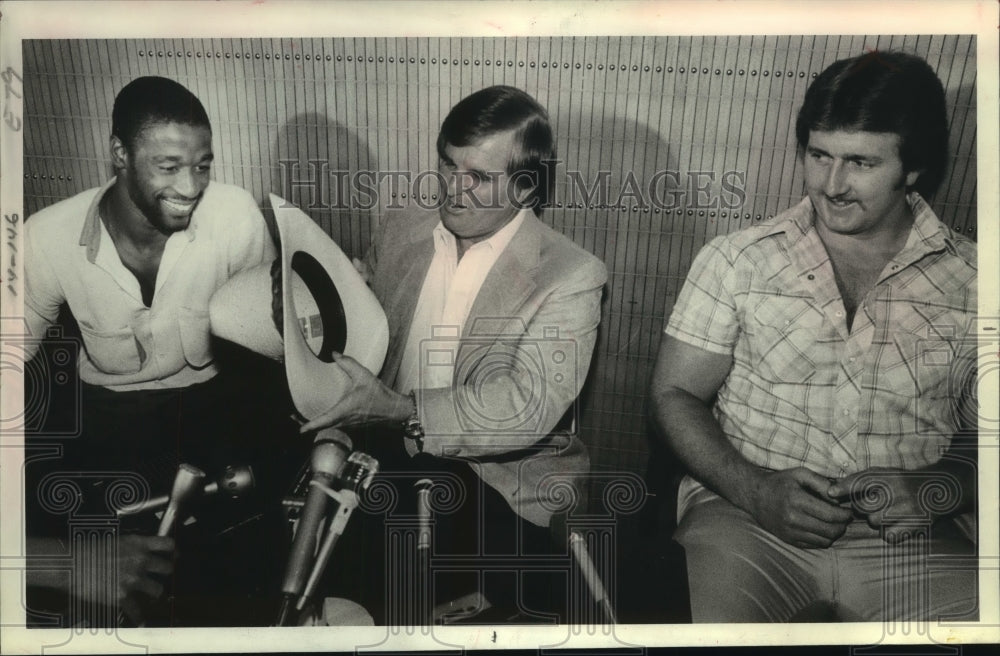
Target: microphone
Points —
{"points": [[579, 547], [187, 485], [329, 453], [357, 474], [423, 487], [236, 481], [423, 603]]}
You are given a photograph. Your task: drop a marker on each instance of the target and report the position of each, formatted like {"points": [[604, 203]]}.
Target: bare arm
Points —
{"points": [[793, 504]]}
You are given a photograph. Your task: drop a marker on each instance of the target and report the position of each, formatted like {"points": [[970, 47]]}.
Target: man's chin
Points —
{"points": [[173, 223]]}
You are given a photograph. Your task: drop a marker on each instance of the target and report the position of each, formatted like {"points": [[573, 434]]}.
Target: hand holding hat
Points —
{"points": [[366, 400], [325, 309]]}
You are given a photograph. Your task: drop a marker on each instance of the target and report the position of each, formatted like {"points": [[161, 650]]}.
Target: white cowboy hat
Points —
{"points": [[326, 307]]}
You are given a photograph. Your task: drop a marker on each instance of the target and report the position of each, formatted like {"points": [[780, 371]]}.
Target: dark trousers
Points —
{"points": [[478, 544], [129, 448]]}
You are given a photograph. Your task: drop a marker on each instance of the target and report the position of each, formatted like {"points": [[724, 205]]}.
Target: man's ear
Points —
{"points": [[523, 194], [119, 154], [518, 194], [912, 177]]}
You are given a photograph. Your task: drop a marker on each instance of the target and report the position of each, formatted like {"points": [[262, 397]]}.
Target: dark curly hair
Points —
{"points": [[150, 100]]}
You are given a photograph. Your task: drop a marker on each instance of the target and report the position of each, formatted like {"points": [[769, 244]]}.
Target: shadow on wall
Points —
{"points": [[955, 200], [328, 171], [625, 165], [620, 190]]}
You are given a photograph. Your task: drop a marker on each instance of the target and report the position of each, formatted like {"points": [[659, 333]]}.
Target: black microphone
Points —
{"points": [[328, 456]]}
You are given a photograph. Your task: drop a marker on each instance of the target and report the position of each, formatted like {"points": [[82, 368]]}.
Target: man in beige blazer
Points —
{"points": [[493, 317]]}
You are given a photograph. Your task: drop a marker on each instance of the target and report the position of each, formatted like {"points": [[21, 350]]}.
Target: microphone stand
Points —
{"points": [[326, 461], [356, 475]]}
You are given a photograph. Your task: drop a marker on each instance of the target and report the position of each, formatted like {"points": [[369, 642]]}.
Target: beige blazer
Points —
{"points": [[523, 356]]}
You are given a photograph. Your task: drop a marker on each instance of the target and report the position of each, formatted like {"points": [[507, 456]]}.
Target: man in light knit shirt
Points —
{"points": [[136, 262], [493, 317], [794, 382]]}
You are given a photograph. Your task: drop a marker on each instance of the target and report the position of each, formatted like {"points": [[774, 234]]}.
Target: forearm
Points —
{"points": [[527, 387], [459, 421], [694, 435]]}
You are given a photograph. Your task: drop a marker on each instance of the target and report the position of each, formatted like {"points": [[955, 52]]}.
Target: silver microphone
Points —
{"points": [[236, 481], [187, 485], [423, 573], [356, 475], [328, 456], [579, 548]]}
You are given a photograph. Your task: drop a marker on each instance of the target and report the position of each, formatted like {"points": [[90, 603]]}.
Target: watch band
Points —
{"points": [[412, 428]]}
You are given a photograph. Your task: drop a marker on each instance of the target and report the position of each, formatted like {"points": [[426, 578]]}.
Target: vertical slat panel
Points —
{"points": [[669, 107]]}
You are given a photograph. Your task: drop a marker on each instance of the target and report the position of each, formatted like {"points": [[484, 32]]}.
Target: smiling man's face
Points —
{"points": [[856, 181], [166, 172]]}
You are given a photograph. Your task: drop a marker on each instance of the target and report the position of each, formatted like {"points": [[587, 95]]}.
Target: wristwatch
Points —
{"points": [[412, 428]]}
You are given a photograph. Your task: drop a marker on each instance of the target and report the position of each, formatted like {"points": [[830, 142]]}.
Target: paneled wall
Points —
{"points": [[664, 143]]}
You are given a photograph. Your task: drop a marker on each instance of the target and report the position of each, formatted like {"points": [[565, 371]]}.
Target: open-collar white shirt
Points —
{"points": [[449, 290]]}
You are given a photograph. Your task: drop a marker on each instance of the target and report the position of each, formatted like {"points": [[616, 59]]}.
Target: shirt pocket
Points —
{"points": [[784, 333], [112, 351], [929, 342], [195, 332]]}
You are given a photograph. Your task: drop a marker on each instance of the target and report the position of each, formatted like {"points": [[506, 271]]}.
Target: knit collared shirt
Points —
{"points": [[806, 391]]}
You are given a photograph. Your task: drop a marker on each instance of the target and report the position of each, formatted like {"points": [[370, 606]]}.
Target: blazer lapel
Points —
{"points": [[402, 302], [511, 281]]}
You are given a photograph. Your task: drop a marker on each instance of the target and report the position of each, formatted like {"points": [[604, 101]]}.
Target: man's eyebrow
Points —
{"points": [[851, 157], [177, 158]]}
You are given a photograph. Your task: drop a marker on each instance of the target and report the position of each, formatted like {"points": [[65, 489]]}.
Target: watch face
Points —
{"points": [[413, 429]]}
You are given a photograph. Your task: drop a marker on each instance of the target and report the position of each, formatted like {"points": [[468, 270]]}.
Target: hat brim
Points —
{"points": [[345, 304], [327, 308]]}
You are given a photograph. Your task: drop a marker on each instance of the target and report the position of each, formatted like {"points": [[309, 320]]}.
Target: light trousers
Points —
{"points": [[739, 572]]}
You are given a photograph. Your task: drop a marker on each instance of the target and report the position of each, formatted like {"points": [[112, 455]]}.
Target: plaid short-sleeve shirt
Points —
{"points": [[803, 391]]}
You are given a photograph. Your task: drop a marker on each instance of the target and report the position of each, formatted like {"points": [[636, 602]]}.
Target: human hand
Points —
{"points": [[366, 401], [140, 564], [794, 505], [885, 496]]}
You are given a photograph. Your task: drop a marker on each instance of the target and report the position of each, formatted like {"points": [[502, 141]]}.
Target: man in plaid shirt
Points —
{"points": [[816, 375]]}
